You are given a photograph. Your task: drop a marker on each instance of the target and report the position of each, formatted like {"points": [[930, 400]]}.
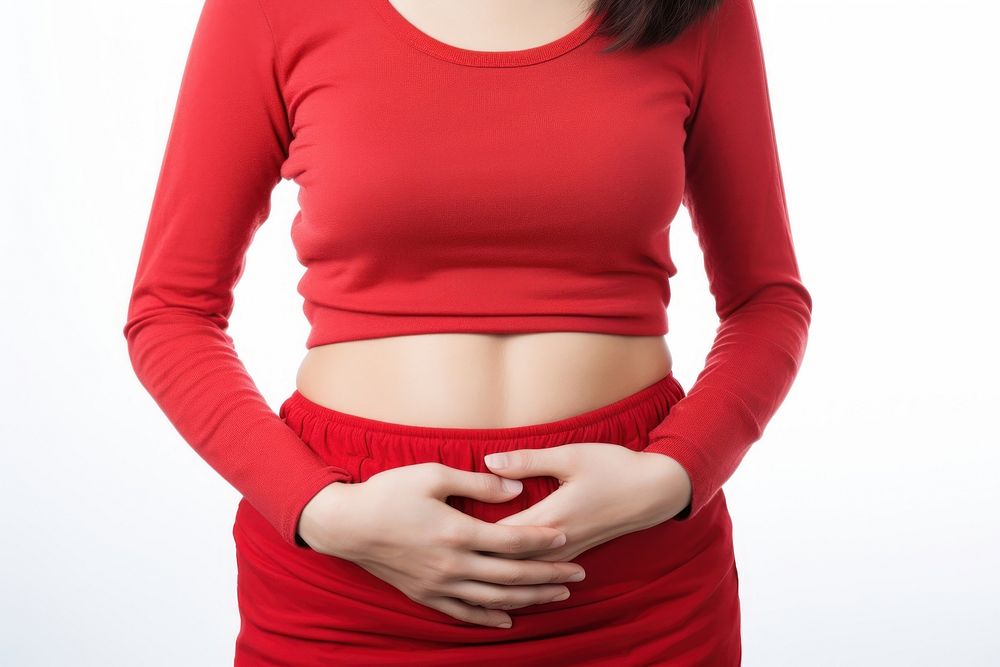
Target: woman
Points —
{"points": [[485, 197]]}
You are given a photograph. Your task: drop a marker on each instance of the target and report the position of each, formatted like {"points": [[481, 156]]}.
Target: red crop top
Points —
{"points": [[443, 189]]}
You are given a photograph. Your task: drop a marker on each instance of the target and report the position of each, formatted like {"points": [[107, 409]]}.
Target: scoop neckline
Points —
{"points": [[509, 58]]}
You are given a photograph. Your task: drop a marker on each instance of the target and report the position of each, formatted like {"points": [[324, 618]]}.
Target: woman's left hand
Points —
{"points": [[605, 491]]}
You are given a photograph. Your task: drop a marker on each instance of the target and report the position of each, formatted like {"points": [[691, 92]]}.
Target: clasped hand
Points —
{"points": [[605, 491]]}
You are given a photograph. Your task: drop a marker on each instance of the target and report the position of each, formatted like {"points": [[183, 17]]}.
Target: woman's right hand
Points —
{"points": [[398, 526]]}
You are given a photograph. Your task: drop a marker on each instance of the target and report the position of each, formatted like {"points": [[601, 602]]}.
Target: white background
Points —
{"points": [[866, 518]]}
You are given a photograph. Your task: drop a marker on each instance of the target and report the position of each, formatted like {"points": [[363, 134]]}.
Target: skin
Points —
{"points": [[397, 524]]}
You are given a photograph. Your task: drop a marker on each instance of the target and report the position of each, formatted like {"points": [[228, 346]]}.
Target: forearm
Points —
{"points": [[749, 371], [189, 366]]}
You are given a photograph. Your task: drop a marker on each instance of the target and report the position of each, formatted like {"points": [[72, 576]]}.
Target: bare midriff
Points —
{"points": [[480, 380]]}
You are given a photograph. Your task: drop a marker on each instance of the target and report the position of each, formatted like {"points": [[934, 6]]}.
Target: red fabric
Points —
{"points": [[666, 595], [735, 195], [449, 190]]}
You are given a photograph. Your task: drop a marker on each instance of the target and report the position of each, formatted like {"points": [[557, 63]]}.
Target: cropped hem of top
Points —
{"points": [[447, 189], [332, 326]]}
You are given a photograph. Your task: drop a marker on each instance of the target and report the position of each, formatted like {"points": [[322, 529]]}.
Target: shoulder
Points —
{"points": [[730, 24]]}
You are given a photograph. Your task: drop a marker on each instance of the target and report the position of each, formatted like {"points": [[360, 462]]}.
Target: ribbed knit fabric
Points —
{"points": [[443, 189]]}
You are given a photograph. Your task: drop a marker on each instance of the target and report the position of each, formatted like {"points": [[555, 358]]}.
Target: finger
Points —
{"points": [[520, 463], [467, 612], [520, 572], [549, 511], [483, 486], [492, 596], [476, 535], [522, 518], [526, 517]]}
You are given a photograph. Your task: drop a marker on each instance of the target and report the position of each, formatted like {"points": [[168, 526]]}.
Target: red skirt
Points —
{"points": [[665, 595]]}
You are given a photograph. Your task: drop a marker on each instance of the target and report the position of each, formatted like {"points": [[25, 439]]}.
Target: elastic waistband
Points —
{"points": [[666, 386]]}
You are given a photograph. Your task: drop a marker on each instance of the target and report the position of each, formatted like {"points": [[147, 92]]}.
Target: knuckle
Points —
{"points": [[429, 590], [445, 567], [513, 577], [491, 483], [451, 535], [495, 602], [435, 472], [514, 541]]}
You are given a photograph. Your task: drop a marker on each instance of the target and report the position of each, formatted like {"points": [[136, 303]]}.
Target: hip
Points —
{"points": [[663, 588]]}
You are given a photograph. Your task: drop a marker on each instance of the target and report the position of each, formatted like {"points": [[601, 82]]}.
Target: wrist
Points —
{"points": [[671, 484], [318, 521]]}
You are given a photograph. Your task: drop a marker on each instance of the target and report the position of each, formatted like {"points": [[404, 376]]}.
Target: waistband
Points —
{"points": [[667, 387]]}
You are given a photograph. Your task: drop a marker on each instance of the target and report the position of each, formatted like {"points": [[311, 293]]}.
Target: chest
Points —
{"points": [[388, 141]]}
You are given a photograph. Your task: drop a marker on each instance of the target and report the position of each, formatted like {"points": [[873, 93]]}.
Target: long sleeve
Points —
{"points": [[227, 141], [735, 196]]}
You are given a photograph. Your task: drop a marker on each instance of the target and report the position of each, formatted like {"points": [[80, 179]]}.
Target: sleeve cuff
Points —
{"points": [[688, 455], [306, 492]]}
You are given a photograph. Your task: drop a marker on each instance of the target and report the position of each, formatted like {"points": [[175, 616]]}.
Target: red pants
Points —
{"points": [[666, 595]]}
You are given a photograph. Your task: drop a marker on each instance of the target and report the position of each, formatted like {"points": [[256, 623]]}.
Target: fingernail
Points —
{"points": [[561, 596], [559, 541], [577, 576], [512, 485], [496, 460], [505, 624]]}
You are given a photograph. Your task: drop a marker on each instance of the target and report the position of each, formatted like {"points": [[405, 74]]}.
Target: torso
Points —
{"points": [[483, 380]]}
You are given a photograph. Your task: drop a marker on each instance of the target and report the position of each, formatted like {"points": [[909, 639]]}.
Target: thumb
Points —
{"points": [[521, 463], [483, 486]]}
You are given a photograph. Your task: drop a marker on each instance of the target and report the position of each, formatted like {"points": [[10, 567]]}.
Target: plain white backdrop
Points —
{"points": [[865, 519]]}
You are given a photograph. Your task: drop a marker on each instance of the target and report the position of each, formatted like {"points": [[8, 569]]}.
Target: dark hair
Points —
{"points": [[642, 23]]}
